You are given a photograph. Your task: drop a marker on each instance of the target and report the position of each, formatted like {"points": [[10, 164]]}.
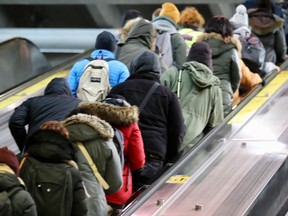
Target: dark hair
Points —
{"points": [[83, 110], [265, 4], [220, 25]]}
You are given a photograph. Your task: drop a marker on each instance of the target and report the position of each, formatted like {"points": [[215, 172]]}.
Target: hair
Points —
{"points": [[266, 4], [83, 110], [156, 13], [55, 126], [220, 25], [191, 18]]}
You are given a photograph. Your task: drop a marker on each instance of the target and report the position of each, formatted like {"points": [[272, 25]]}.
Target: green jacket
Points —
{"points": [[96, 135], [200, 99], [226, 66]]}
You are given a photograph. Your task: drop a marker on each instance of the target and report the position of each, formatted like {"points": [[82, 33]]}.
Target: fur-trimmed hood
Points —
{"points": [[220, 44], [263, 22], [114, 115], [103, 129]]}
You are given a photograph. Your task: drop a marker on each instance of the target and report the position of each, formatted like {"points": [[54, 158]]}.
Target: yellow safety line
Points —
{"points": [[32, 89], [248, 110]]}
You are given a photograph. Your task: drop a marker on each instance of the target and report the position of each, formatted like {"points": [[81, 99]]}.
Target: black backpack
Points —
{"points": [[50, 185]]}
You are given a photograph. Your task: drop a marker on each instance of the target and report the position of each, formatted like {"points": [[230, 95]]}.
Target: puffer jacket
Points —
{"points": [[126, 120], [138, 40], [270, 29], [22, 202], [200, 99], [161, 121], [55, 104], [96, 135], [51, 147], [226, 66], [118, 72], [177, 41]]}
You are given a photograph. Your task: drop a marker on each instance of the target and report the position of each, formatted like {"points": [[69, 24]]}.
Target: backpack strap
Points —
{"points": [[92, 165], [148, 95], [179, 83]]}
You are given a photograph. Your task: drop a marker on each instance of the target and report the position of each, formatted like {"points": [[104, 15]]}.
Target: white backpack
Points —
{"points": [[94, 82]]}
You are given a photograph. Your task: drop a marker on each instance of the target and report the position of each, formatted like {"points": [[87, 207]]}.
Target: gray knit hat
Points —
{"points": [[200, 52]]}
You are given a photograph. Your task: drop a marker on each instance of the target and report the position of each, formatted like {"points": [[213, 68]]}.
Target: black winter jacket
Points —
{"points": [[161, 121], [55, 104]]}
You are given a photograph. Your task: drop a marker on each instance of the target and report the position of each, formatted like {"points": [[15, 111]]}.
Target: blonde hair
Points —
{"points": [[191, 18]]}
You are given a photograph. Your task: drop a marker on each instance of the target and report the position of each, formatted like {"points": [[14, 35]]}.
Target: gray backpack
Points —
{"points": [[163, 43]]}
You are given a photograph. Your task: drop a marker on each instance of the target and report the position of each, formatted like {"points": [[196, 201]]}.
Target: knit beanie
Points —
{"points": [[106, 40], [128, 15], [200, 52], [241, 16], [9, 158], [171, 11]]}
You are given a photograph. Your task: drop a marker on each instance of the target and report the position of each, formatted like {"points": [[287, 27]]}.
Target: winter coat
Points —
{"points": [[55, 104], [200, 99], [177, 41], [118, 72], [243, 32], [270, 30], [22, 202], [96, 135], [126, 120], [248, 81], [226, 66], [51, 147], [139, 39], [190, 36], [161, 121]]}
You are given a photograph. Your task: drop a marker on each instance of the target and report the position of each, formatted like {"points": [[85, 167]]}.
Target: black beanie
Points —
{"points": [[200, 52], [106, 41], [128, 15]]}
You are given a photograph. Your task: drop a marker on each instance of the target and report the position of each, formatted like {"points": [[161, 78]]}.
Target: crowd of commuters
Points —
{"points": [[70, 164]]}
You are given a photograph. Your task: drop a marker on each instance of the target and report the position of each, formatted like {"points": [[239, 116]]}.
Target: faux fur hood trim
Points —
{"points": [[126, 29], [207, 36], [104, 129], [114, 115]]}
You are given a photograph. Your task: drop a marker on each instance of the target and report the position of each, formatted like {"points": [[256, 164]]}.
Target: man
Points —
{"points": [[55, 104], [105, 47]]}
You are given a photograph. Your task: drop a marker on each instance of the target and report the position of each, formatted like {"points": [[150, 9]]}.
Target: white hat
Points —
{"points": [[241, 16]]}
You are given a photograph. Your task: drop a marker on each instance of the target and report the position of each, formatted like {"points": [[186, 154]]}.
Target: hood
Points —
{"points": [[49, 145], [200, 74], [101, 127], [114, 115], [218, 44], [164, 23], [126, 29], [146, 62], [59, 86], [141, 32], [263, 22], [8, 180]]}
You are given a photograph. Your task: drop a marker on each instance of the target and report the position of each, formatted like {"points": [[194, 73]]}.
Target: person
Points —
{"points": [[269, 28], [137, 36], [191, 25], [226, 50], [22, 204], [161, 121], [129, 15], [55, 104], [104, 49], [50, 172], [96, 136], [199, 93], [120, 114], [166, 22]]}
